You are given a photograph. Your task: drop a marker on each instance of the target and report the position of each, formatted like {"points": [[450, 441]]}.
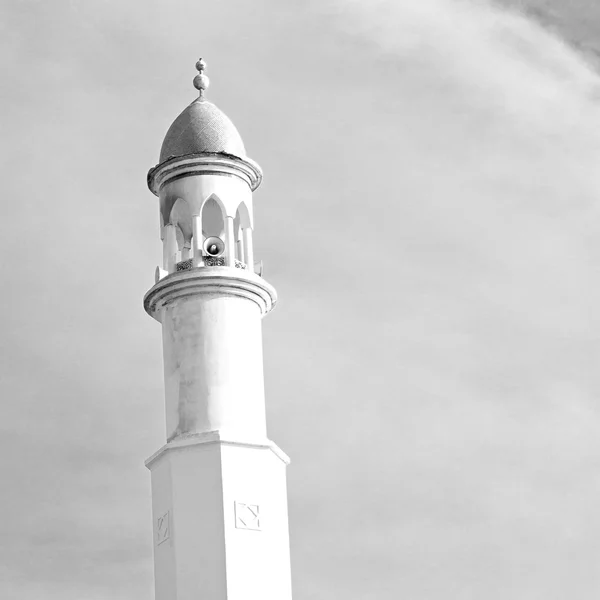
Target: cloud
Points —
{"points": [[474, 327], [428, 216]]}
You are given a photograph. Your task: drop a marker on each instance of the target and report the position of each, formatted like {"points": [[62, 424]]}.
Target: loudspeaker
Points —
{"points": [[214, 246]]}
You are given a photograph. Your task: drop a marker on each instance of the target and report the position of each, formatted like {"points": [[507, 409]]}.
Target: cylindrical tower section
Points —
{"points": [[212, 349], [213, 367]]}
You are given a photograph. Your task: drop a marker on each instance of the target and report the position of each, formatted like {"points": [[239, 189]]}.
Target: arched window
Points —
{"points": [[214, 232], [239, 240], [243, 232], [213, 221], [181, 218]]}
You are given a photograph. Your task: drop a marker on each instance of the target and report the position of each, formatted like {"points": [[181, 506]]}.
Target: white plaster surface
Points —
{"points": [[196, 190], [219, 483], [183, 207], [257, 562], [191, 564], [206, 555], [212, 346], [217, 456]]}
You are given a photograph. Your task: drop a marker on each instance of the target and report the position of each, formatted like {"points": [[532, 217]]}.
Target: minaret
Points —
{"points": [[219, 500]]}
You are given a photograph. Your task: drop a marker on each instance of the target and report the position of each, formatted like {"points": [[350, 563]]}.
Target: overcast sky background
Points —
{"points": [[429, 217]]}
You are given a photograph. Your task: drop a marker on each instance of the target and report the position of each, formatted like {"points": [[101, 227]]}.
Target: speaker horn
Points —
{"points": [[214, 246]]}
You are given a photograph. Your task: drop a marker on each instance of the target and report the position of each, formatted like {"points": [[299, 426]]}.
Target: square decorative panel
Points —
{"points": [[163, 529], [247, 516]]}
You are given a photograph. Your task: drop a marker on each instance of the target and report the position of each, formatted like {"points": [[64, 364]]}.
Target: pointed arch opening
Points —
{"points": [[213, 222], [243, 236], [180, 217], [239, 242], [213, 218]]}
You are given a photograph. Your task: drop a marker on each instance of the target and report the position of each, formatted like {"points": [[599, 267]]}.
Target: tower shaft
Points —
{"points": [[219, 500]]}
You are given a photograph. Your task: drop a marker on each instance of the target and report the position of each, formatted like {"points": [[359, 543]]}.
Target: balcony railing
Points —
{"points": [[209, 261]]}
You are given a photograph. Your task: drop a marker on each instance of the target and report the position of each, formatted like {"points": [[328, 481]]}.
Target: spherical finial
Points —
{"points": [[201, 81]]}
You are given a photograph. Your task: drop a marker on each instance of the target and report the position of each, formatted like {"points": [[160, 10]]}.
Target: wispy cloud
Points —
{"points": [[429, 216]]}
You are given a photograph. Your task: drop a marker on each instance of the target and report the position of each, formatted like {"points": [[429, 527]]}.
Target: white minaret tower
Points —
{"points": [[219, 498]]}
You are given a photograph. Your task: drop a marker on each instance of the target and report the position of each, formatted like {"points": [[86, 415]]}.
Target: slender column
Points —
{"points": [[229, 242], [186, 251], [164, 237], [197, 241], [240, 247], [170, 248], [248, 249]]}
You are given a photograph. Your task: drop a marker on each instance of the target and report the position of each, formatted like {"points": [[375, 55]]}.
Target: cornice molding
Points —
{"points": [[217, 437], [204, 164], [227, 281]]}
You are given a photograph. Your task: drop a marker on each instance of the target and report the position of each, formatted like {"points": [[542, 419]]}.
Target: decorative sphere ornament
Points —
{"points": [[201, 82]]}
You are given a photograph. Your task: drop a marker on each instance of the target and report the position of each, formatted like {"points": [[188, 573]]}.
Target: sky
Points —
{"points": [[428, 217]]}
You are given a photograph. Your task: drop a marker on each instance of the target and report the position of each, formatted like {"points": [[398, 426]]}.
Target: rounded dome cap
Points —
{"points": [[201, 128]]}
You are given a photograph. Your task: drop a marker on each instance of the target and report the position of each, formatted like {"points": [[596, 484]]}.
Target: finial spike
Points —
{"points": [[201, 81]]}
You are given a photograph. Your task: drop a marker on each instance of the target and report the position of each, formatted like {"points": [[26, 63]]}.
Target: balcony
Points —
{"points": [[209, 261]]}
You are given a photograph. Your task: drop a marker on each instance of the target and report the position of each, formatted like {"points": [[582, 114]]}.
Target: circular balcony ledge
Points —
{"points": [[204, 164], [225, 281]]}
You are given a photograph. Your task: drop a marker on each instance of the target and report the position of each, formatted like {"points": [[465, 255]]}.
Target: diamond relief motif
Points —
{"points": [[163, 529], [247, 516]]}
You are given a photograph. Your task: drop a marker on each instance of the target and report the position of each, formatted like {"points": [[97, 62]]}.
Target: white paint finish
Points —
{"points": [[229, 242], [197, 240], [218, 486], [204, 165], [214, 437], [169, 248], [212, 347], [239, 249], [247, 516], [186, 251], [196, 190], [206, 555], [181, 216], [164, 554], [191, 564], [159, 274], [218, 454], [184, 202], [222, 281], [258, 561], [248, 247], [163, 528]]}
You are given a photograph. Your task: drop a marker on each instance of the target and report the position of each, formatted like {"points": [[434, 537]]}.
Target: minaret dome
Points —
{"points": [[219, 499], [204, 181], [202, 127]]}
